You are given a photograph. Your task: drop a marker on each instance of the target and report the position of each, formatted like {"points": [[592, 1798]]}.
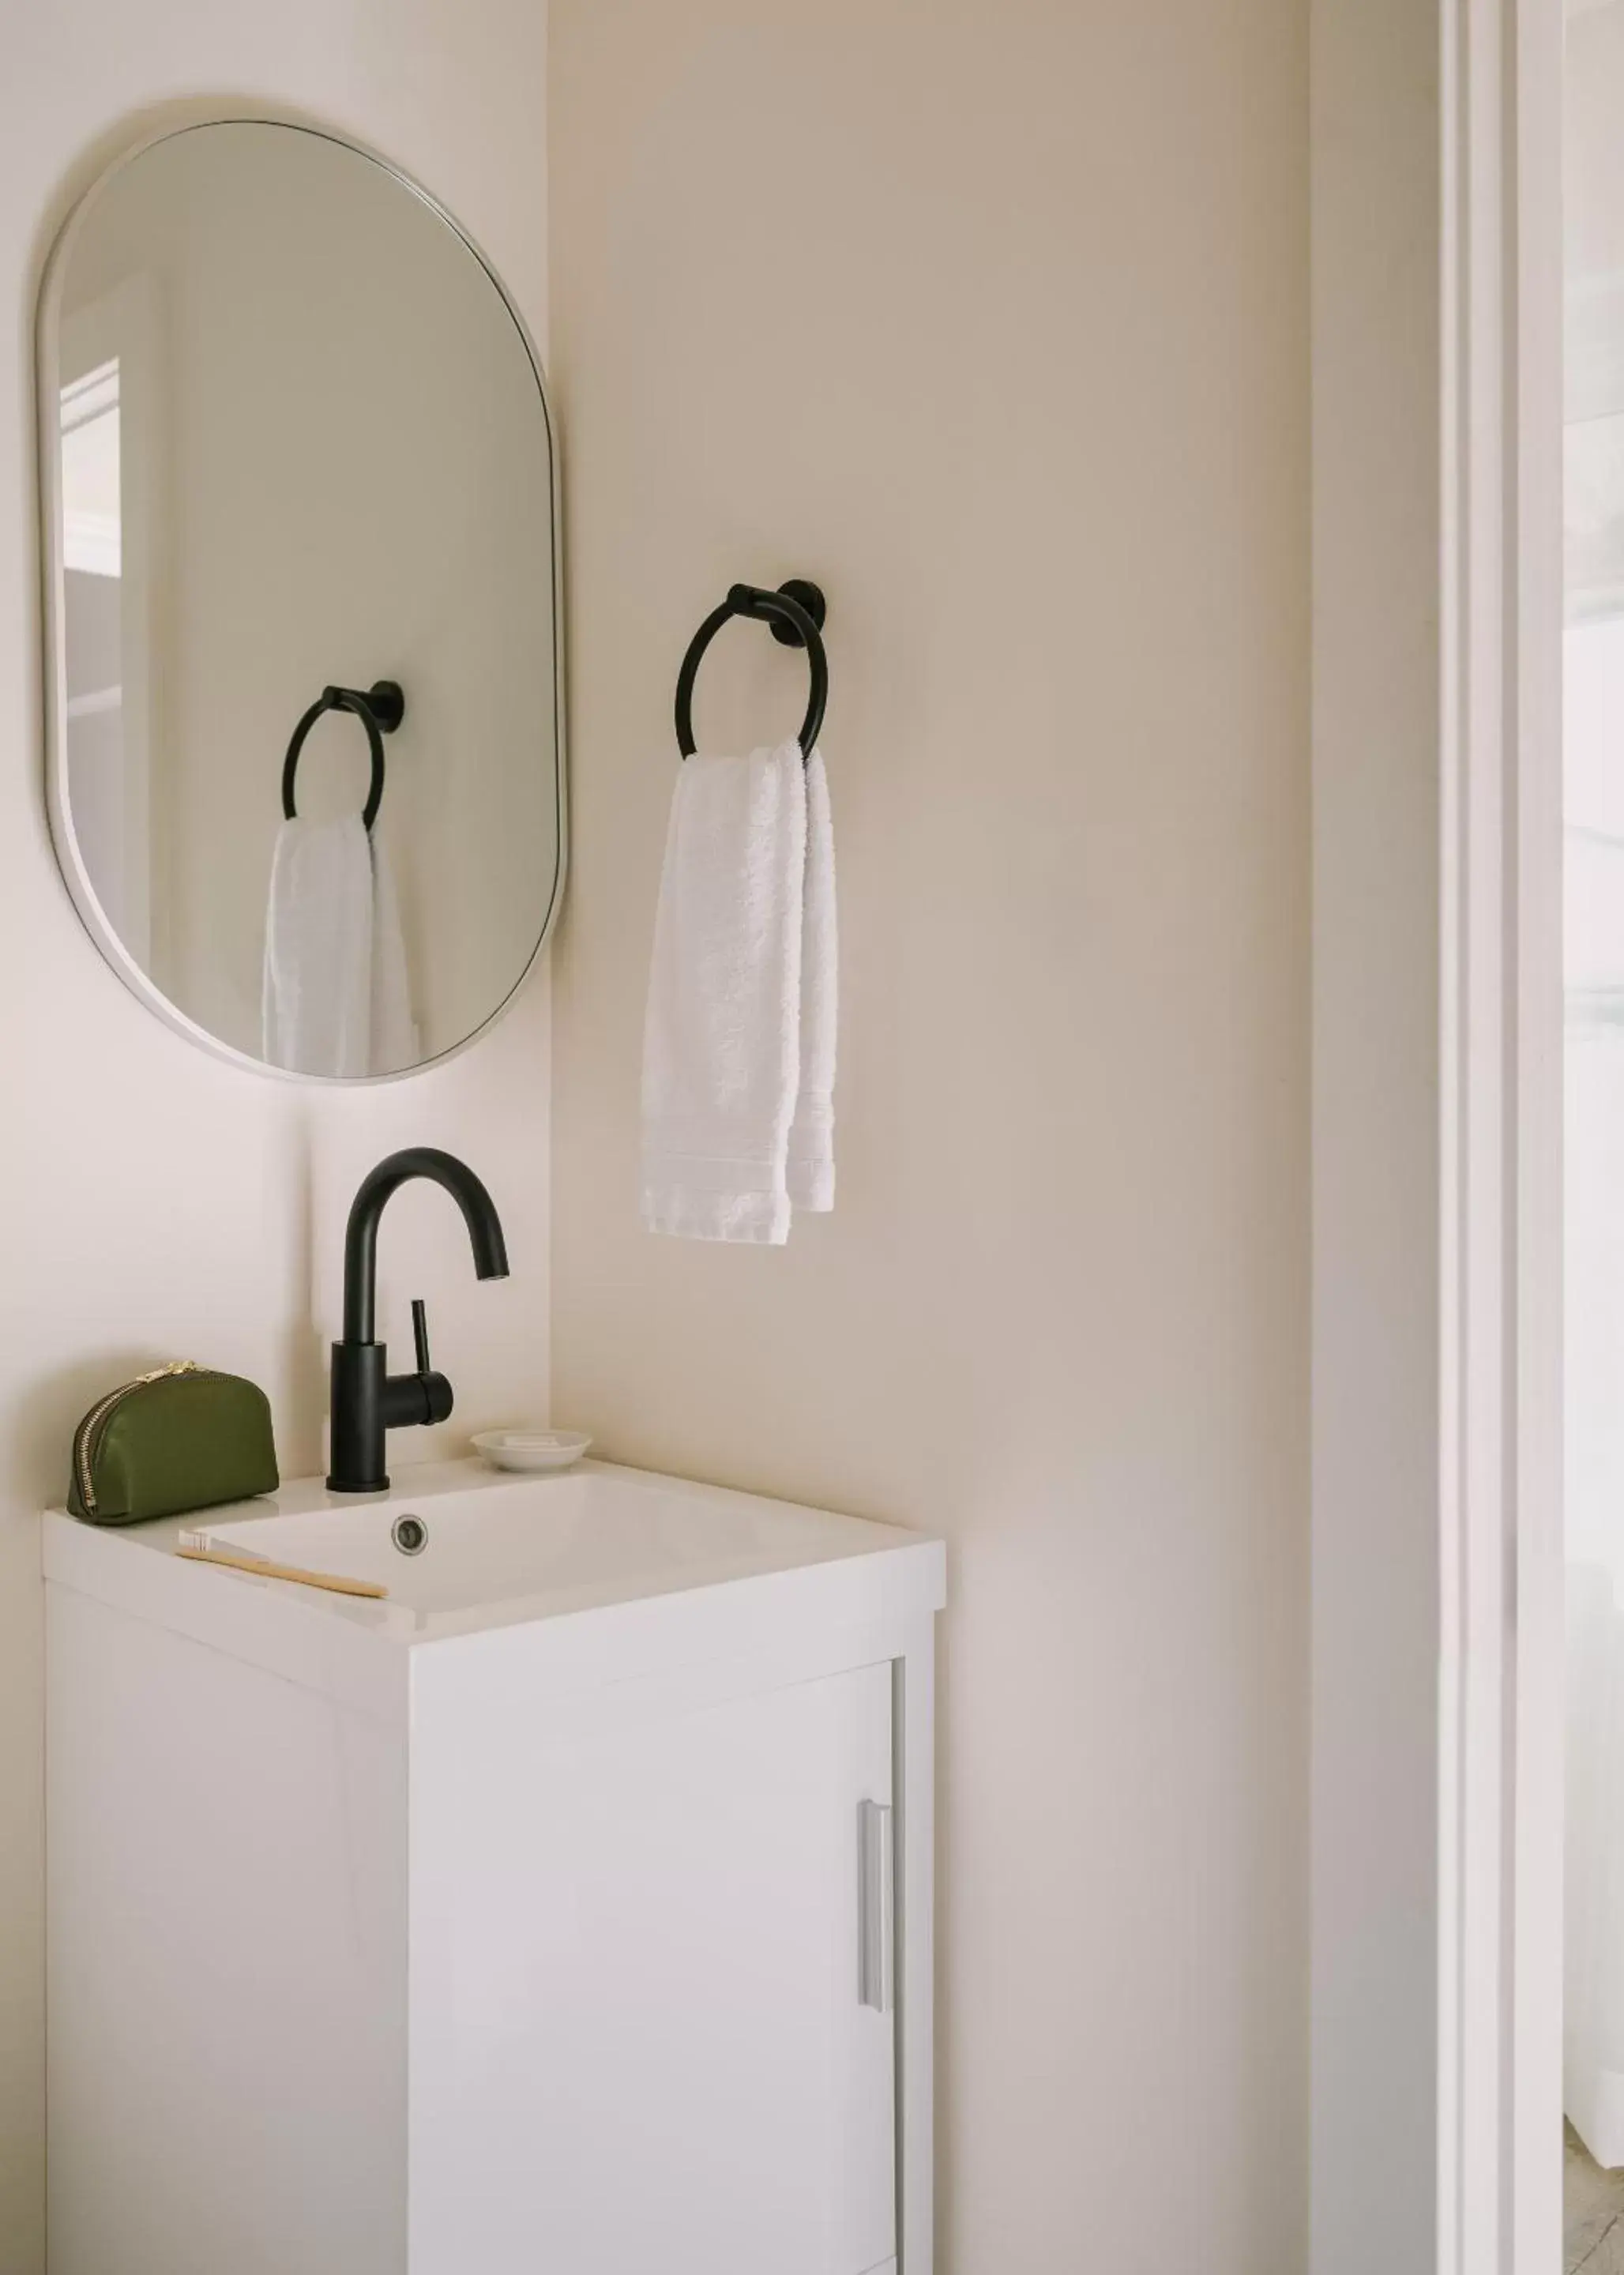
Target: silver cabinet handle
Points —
{"points": [[876, 1902]]}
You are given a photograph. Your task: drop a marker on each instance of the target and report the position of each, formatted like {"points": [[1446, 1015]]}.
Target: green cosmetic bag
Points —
{"points": [[180, 1438]]}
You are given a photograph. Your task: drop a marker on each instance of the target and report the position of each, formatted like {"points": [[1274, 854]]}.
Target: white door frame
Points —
{"points": [[1503, 1647], [1438, 1640]]}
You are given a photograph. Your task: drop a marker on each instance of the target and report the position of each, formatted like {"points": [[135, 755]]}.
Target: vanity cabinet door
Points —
{"points": [[640, 2041]]}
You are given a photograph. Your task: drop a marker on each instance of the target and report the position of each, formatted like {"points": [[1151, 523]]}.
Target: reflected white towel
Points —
{"points": [[723, 1055], [395, 1042], [334, 1000]]}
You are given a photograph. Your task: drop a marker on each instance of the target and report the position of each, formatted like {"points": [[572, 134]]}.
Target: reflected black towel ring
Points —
{"points": [[379, 710], [796, 613]]}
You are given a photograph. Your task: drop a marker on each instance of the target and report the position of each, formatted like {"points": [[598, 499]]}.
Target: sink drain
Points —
{"points": [[411, 1535]]}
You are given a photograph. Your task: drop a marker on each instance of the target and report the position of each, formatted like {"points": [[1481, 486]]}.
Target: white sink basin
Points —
{"points": [[499, 1550], [503, 1548]]}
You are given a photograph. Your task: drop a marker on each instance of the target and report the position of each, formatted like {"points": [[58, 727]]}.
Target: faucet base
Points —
{"points": [[356, 1454]]}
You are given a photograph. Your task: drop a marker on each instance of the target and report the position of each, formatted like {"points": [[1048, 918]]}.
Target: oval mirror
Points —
{"points": [[306, 758]]}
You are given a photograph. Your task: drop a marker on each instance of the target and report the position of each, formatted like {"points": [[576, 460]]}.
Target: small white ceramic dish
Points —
{"points": [[531, 1450]]}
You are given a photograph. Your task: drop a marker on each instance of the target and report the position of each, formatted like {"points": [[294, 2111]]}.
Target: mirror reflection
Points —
{"points": [[300, 485]]}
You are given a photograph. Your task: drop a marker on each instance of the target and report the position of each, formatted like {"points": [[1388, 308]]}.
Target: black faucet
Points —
{"points": [[368, 1400]]}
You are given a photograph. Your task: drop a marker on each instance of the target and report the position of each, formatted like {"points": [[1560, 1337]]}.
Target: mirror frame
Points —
{"points": [[64, 840]]}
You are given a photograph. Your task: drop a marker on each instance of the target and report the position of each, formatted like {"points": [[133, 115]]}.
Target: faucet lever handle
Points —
{"points": [[419, 1333]]}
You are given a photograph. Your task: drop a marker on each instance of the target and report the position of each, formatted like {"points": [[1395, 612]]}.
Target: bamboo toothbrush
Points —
{"points": [[263, 1569]]}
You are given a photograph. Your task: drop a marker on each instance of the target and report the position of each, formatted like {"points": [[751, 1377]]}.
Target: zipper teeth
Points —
{"points": [[88, 1437]]}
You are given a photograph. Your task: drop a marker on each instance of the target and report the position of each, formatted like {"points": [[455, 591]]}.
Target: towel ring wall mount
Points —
{"points": [[380, 708], [795, 615]]}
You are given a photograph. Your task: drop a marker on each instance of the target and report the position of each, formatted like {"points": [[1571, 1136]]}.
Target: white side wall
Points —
{"points": [[158, 1203], [994, 321], [1376, 124]]}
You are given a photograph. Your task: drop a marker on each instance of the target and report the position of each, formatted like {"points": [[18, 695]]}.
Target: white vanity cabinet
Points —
{"points": [[566, 1911]]}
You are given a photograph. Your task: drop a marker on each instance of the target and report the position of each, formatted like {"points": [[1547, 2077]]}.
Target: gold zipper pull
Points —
{"points": [[170, 1366]]}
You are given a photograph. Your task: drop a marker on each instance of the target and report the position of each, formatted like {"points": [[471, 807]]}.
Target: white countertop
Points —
{"points": [[503, 1551]]}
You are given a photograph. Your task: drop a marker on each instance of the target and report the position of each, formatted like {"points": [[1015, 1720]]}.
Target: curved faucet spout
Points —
{"points": [[490, 1253]]}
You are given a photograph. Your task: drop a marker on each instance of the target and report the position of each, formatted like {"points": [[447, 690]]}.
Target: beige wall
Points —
{"points": [[1378, 174], [994, 321], [157, 1202]]}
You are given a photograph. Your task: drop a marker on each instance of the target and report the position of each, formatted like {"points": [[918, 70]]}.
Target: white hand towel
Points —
{"points": [[810, 1170], [334, 999], [721, 1049]]}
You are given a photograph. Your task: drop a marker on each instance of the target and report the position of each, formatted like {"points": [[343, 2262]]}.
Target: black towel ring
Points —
{"points": [[796, 613], [379, 710]]}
